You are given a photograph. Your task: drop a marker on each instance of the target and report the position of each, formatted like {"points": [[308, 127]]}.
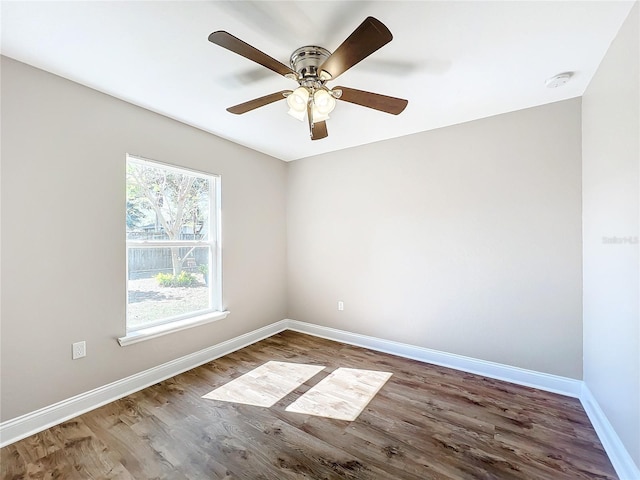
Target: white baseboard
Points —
{"points": [[21, 427], [520, 376], [28, 424], [620, 459]]}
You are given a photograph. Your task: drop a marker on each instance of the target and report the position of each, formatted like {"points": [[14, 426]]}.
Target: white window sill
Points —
{"points": [[159, 330]]}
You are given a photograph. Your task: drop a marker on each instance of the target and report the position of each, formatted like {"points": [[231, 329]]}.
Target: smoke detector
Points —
{"points": [[558, 80]]}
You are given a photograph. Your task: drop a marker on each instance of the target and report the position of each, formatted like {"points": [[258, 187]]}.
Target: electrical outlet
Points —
{"points": [[79, 350], [341, 306]]}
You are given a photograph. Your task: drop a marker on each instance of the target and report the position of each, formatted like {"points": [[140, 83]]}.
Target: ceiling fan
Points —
{"points": [[312, 67]]}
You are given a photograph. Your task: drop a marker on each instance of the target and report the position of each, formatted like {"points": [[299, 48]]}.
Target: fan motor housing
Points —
{"points": [[306, 60]]}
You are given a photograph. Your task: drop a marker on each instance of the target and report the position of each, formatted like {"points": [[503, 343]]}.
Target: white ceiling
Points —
{"points": [[453, 61]]}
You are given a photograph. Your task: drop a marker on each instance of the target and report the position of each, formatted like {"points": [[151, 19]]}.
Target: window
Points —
{"points": [[173, 248]]}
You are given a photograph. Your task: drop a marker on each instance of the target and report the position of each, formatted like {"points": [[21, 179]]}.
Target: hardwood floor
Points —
{"points": [[426, 422]]}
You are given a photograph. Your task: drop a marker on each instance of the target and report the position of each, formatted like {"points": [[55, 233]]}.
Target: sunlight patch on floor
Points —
{"points": [[265, 385], [342, 395]]}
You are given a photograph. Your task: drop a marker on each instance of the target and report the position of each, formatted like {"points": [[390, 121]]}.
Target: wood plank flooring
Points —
{"points": [[426, 422]]}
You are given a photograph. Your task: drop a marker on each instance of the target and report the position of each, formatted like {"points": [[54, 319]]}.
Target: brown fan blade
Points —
{"points": [[376, 101], [258, 102], [366, 39], [228, 41], [319, 130]]}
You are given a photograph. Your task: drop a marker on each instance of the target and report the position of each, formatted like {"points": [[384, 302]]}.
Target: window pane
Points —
{"points": [[164, 283], [165, 204]]}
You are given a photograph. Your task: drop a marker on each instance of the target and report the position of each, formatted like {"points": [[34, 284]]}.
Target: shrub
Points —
{"points": [[184, 279]]}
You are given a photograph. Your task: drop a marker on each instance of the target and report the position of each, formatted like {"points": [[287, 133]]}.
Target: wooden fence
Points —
{"points": [[147, 262]]}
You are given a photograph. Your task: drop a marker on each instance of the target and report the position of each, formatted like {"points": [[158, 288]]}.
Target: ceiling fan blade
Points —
{"points": [[319, 130], [258, 102], [376, 101], [366, 39], [228, 41]]}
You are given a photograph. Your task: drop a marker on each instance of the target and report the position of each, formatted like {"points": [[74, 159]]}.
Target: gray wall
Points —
{"points": [[465, 239], [63, 237], [611, 199]]}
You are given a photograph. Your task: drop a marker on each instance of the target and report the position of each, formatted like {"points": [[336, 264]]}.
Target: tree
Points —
{"points": [[134, 214], [171, 200]]}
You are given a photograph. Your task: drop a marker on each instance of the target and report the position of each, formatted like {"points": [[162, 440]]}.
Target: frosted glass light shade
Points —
{"points": [[298, 99], [297, 114], [297, 102], [318, 116], [324, 102]]}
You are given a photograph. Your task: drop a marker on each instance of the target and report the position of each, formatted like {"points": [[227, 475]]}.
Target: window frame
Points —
{"points": [[213, 243]]}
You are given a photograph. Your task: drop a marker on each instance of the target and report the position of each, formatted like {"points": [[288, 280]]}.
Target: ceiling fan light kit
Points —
{"points": [[312, 66]]}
